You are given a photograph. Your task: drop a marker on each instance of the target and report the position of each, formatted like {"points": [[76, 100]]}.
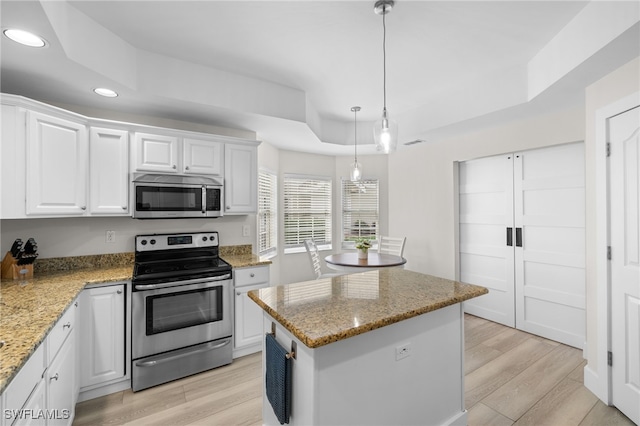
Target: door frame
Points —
{"points": [[598, 380]]}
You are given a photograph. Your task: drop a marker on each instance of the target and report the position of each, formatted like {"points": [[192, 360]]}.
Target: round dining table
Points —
{"points": [[350, 261]]}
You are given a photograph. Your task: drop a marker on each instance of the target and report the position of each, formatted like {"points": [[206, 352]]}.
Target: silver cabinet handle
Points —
{"points": [[238, 293], [54, 377], [83, 207], [252, 275], [174, 166], [186, 168], [66, 325], [119, 292], [75, 304], [124, 207]]}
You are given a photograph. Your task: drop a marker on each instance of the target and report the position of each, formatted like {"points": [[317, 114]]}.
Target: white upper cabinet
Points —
{"points": [[202, 157], [240, 179], [156, 153], [108, 171], [56, 167]]}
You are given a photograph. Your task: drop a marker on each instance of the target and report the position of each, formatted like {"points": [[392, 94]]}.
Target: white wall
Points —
{"points": [[617, 85], [421, 183], [84, 236]]}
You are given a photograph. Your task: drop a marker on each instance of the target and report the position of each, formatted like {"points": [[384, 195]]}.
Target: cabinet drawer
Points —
{"points": [[25, 381], [60, 331], [250, 276]]}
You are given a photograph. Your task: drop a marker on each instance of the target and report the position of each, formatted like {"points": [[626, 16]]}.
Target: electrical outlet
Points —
{"points": [[403, 351], [110, 237], [245, 230]]}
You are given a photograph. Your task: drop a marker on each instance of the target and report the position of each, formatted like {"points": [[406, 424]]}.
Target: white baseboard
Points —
{"points": [[104, 390]]}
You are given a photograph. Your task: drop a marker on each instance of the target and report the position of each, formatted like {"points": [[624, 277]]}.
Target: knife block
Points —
{"points": [[12, 271]]}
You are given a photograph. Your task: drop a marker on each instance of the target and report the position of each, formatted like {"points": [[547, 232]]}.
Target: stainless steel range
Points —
{"points": [[182, 308]]}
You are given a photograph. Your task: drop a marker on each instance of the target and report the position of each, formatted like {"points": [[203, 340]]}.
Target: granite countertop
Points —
{"points": [[29, 311], [327, 310]]}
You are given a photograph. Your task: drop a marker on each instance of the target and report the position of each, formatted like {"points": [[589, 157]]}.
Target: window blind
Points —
{"points": [[360, 210], [267, 214], [307, 211]]}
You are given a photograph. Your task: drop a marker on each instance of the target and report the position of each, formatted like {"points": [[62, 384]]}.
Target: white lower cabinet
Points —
{"points": [[37, 403], [44, 390], [102, 333], [247, 333], [60, 381]]}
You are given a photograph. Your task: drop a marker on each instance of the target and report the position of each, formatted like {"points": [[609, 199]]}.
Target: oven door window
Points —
{"points": [[168, 198], [183, 309]]}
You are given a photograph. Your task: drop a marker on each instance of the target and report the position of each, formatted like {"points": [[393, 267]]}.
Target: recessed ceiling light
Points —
{"points": [[24, 37], [102, 91]]}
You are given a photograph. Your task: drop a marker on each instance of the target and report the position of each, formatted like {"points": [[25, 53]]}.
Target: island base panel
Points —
{"points": [[358, 381]]}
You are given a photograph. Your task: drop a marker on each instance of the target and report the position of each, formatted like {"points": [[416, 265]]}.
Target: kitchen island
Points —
{"points": [[380, 347]]}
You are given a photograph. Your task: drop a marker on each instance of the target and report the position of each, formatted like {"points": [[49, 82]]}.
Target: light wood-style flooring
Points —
{"points": [[511, 378]]}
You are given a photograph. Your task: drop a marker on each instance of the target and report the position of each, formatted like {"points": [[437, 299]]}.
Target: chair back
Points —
{"points": [[314, 258], [391, 245]]}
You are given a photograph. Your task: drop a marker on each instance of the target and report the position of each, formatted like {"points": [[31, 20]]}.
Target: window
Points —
{"points": [[307, 212], [267, 214], [359, 211]]}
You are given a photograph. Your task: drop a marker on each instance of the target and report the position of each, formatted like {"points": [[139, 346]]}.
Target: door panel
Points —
{"points": [[486, 211], [624, 190], [549, 206]]}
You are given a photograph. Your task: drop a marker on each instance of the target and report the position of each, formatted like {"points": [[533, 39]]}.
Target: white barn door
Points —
{"points": [[486, 213], [624, 173], [549, 208]]}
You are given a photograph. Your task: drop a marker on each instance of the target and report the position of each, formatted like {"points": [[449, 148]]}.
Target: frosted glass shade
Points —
{"points": [[385, 133], [356, 172]]}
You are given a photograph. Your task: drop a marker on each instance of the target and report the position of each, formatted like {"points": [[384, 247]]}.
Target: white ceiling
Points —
{"points": [[291, 70]]}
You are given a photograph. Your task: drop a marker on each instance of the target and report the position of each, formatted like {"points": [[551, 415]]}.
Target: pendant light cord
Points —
{"points": [[355, 135], [384, 60]]}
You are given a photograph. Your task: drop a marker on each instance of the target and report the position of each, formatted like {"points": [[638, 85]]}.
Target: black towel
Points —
{"points": [[278, 379]]}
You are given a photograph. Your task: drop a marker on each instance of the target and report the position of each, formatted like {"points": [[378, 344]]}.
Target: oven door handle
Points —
{"points": [[173, 284], [185, 352]]}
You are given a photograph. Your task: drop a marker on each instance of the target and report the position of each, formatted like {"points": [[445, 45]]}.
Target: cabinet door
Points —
{"points": [[248, 321], [108, 171], [241, 179], [102, 333], [60, 378], [156, 153], [56, 166], [36, 404], [202, 157]]}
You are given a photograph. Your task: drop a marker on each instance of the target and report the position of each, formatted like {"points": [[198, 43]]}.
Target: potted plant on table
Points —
{"points": [[363, 246]]}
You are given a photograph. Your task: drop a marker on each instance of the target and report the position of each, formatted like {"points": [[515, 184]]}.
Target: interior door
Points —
{"points": [[624, 190], [549, 209], [486, 246]]}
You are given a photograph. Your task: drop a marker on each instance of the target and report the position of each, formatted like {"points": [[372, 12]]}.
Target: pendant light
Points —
{"points": [[356, 170], [385, 130]]}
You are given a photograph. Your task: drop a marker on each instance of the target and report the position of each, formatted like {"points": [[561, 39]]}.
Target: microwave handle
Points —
{"points": [[204, 200]]}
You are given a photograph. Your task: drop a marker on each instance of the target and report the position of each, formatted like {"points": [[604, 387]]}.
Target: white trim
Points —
{"points": [[600, 382]]}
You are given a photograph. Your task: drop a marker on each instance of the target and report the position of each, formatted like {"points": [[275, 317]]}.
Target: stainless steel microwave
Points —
{"points": [[158, 196]]}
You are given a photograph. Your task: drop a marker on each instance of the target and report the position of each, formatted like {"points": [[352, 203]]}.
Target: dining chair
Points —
{"points": [[314, 257], [391, 245]]}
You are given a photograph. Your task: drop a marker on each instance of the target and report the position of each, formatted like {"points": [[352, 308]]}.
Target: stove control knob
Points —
{"points": [[143, 242], [212, 238], [152, 242], [204, 238]]}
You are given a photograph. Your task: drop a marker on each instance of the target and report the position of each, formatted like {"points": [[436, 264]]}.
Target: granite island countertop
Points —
{"points": [[29, 311], [327, 310]]}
